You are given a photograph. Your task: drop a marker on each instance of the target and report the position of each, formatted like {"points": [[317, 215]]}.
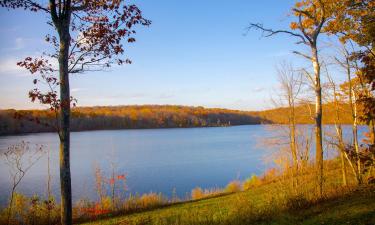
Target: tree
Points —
{"points": [[89, 37], [312, 16], [291, 85], [355, 22], [339, 143], [351, 89]]}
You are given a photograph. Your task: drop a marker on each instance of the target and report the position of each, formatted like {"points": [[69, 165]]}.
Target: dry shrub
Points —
{"points": [[271, 175], [297, 202], [152, 199], [31, 210], [233, 186], [251, 182], [197, 193], [146, 201]]}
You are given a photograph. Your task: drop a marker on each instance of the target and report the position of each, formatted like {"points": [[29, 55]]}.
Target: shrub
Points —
{"points": [[297, 202], [151, 200], [251, 182], [233, 186], [197, 193], [146, 201], [31, 210]]}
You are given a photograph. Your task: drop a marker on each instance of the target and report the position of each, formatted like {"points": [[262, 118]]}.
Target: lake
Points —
{"points": [[158, 160]]}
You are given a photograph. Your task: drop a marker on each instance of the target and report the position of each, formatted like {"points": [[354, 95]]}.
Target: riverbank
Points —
{"points": [[273, 198], [356, 207], [276, 197]]}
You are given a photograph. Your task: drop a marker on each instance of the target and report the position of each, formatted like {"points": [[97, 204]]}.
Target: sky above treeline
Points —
{"points": [[194, 53]]}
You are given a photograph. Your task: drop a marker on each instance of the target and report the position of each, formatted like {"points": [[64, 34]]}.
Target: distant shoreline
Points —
{"points": [[152, 117]]}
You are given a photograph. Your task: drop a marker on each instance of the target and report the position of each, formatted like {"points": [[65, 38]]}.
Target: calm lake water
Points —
{"points": [[157, 160]]}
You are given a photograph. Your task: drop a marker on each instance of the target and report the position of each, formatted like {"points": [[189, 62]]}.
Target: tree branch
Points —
{"points": [[270, 32]]}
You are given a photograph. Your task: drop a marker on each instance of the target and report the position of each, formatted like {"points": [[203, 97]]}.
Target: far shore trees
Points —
{"points": [[90, 37]]}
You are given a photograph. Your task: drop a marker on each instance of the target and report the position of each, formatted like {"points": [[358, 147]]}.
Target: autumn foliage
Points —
{"points": [[125, 117]]}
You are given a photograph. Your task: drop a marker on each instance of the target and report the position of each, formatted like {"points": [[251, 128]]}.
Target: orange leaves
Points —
{"points": [[114, 178], [121, 177], [293, 25]]}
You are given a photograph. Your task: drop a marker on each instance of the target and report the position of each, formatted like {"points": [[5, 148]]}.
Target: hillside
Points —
{"points": [[124, 117], [356, 208], [305, 113], [157, 116]]}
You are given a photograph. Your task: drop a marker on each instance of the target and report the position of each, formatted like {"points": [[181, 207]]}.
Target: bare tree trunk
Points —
{"points": [[355, 133], [48, 188], [293, 144], [353, 109], [371, 127], [292, 133], [11, 205], [65, 178], [341, 145], [343, 169], [318, 119]]}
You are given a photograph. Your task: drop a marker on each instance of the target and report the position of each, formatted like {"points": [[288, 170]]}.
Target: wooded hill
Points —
{"points": [[155, 116], [305, 114], [124, 117]]}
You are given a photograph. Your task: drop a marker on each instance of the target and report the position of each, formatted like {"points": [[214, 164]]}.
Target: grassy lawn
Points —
{"points": [[247, 207]]}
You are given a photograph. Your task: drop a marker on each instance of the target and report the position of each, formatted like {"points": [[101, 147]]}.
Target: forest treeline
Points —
{"points": [[124, 117], [151, 116], [304, 114]]}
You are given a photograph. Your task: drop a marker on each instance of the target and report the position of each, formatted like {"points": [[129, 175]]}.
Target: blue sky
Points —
{"points": [[194, 53]]}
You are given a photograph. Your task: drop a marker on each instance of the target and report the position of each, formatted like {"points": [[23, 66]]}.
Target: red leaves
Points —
{"points": [[121, 177], [103, 27], [26, 5], [111, 181], [40, 65], [130, 40], [95, 211]]}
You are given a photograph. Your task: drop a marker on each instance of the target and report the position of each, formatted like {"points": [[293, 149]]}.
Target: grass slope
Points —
{"points": [[356, 208]]}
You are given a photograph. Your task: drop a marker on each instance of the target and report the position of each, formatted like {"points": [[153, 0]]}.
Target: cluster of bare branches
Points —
{"points": [[20, 158]]}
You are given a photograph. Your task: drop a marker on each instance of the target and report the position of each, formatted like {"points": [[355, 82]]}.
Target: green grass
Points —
{"points": [[261, 205]]}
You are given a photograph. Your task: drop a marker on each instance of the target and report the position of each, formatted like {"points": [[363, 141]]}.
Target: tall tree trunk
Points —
{"points": [[355, 135], [318, 119], [353, 109], [293, 144], [371, 127], [65, 178], [341, 144], [342, 154]]}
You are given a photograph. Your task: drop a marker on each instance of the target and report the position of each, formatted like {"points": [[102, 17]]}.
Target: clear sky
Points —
{"points": [[194, 53]]}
